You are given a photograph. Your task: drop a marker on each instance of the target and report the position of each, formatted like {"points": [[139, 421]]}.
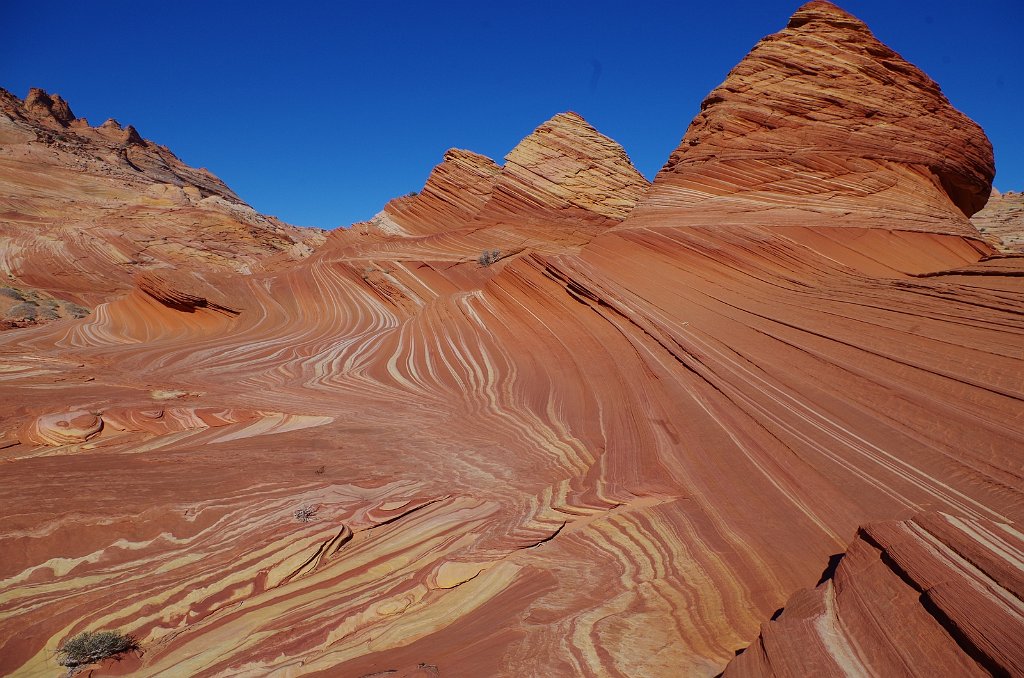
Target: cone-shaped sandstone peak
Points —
{"points": [[455, 192], [564, 163], [822, 119]]}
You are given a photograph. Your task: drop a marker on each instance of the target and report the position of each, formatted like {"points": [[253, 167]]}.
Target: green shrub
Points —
{"points": [[89, 647]]}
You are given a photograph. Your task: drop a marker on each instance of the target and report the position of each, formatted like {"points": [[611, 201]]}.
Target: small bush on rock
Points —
{"points": [[488, 257], [77, 311], [90, 647], [26, 310], [12, 293]]}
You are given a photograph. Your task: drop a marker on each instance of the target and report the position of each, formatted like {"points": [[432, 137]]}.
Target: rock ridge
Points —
{"points": [[87, 208], [948, 588], [823, 124], [564, 164]]}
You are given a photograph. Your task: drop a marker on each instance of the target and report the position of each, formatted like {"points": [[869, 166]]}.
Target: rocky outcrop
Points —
{"points": [[129, 158], [559, 187], [935, 595], [567, 163], [563, 165], [455, 192], [53, 108], [1002, 221], [823, 124], [86, 208], [180, 293]]}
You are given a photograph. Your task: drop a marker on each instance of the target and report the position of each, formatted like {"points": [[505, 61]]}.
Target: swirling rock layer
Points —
{"points": [[613, 450]]}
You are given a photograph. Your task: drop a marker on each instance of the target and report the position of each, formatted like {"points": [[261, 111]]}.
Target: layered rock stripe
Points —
{"points": [[618, 450]]}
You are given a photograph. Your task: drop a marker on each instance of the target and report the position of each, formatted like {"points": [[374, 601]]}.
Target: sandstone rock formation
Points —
{"points": [[84, 208], [455, 192], [1002, 221], [821, 121], [564, 173], [934, 595], [617, 449]]}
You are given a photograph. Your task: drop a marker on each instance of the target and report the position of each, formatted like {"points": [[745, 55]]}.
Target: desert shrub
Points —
{"points": [[76, 311], [304, 514], [11, 293], [488, 257], [90, 647], [47, 313], [25, 311]]}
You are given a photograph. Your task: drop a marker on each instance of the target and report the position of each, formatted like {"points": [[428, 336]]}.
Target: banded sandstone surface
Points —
{"points": [[787, 374]]}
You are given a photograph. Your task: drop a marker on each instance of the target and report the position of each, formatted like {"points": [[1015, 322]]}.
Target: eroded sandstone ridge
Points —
{"points": [[937, 594], [84, 209], [545, 419], [564, 173]]}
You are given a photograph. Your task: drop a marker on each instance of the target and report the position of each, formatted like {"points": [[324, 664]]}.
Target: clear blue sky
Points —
{"points": [[319, 112]]}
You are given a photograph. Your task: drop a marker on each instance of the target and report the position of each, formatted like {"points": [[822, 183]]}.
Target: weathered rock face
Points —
{"points": [[455, 192], [1002, 221], [45, 107], [559, 187], [564, 165], [935, 595], [45, 122], [823, 124], [567, 163], [83, 209], [181, 294], [614, 448]]}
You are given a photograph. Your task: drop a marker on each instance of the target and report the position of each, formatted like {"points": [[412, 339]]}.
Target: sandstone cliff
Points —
{"points": [[934, 595]]}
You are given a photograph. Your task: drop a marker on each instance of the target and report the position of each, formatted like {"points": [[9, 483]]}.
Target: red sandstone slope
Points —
{"points": [[84, 209], [615, 451], [935, 595]]}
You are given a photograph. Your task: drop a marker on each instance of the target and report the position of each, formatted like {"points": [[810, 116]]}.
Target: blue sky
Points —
{"points": [[319, 113]]}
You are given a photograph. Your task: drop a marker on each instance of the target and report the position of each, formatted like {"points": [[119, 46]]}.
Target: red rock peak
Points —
{"points": [[823, 120], [565, 161], [52, 106]]}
